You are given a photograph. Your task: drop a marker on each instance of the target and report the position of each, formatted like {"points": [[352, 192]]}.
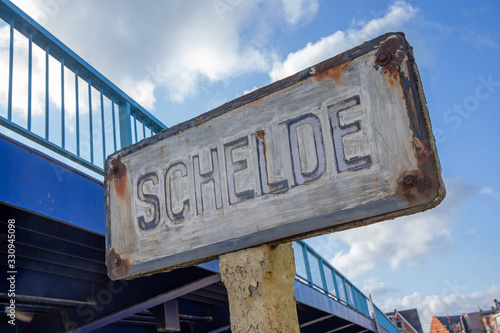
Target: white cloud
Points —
{"points": [[142, 92], [20, 79], [399, 13], [376, 288], [478, 39], [207, 59], [296, 10], [178, 46], [489, 191], [404, 241], [468, 234], [443, 304], [250, 90]]}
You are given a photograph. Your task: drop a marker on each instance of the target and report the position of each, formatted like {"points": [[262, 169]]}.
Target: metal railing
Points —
{"points": [[384, 321], [51, 96], [314, 270]]}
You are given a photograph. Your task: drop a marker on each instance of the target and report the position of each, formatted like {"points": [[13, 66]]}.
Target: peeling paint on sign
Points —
{"points": [[342, 144]]}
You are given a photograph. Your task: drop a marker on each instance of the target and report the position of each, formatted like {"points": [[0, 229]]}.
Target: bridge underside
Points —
{"points": [[61, 282]]}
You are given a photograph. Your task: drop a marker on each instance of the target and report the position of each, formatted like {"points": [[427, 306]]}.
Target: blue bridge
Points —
{"points": [[52, 212]]}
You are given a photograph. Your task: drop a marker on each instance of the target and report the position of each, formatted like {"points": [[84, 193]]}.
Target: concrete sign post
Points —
{"points": [[341, 144], [259, 283]]}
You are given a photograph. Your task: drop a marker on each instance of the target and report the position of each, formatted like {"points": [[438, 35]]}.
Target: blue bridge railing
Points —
{"points": [[314, 270], [51, 96], [384, 321]]}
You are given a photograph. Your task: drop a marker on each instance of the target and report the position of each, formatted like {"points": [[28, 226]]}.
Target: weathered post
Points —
{"points": [[259, 283]]}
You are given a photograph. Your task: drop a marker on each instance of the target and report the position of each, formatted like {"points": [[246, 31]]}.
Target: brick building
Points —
{"points": [[475, 322], [407, 321], [491, 321]]}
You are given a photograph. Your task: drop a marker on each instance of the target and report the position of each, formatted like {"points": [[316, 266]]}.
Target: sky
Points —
{"points": [[179, 59]]}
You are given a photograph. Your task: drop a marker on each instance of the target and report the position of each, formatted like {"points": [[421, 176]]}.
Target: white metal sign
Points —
{"points": [[341, 144]]}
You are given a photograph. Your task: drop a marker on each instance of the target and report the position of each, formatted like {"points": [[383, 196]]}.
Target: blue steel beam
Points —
{"points": [[317, 320], [306, 295], [36, 182], [91, 125], [334, 278], [125, 127], [148, 303], [11, 67], [114, 122], [63, 121], [77, 110], [47, 101], [103, 130], [49, 145], [30, 78]]}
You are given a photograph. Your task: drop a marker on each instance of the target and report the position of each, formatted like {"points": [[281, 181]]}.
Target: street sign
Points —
{"points": [[338, 145]]}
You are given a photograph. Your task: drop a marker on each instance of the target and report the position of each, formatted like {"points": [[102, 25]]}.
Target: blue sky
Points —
{"points": [[180, 59]]}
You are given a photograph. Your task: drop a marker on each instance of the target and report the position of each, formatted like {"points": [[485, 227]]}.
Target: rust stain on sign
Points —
{"points": [[342, 144], [118, 266], [414, 185], [117, 173], [389, 58], [334, 73]]}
